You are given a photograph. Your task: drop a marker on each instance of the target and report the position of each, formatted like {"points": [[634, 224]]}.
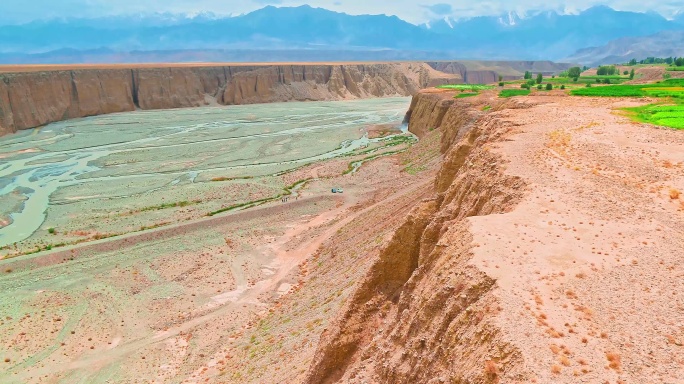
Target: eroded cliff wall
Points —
{"points": [[421, 314], [33, 99]]}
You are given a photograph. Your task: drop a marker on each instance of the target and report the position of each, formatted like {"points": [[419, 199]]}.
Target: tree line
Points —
{"points": [[676, 61]]}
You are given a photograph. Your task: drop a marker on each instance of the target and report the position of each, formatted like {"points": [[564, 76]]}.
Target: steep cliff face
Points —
{"points": [[422, 313], [479, 72], [30, 100], [33, 99], [324, 82]]}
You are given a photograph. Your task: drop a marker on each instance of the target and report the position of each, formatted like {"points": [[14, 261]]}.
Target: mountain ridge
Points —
{"points": [[661, 44], [533, 36]]}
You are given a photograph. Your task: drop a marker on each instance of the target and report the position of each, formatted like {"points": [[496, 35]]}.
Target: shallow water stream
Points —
{"points": [[129, 155]]}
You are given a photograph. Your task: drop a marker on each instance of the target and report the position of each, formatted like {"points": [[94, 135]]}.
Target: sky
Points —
{"points": [[414, 11]]}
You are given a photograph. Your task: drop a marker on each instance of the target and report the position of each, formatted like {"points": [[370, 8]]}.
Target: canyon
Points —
{"points": [[512, 240], [32, 96]]}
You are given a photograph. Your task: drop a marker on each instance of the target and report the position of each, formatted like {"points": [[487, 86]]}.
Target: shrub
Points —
{"points": [[539, 86], [574, 72], [575, 79], [540, 78], [525, 86], [501, 83], [563, 86], [606, 81], [51, 231], [588, 85], [625, 73], [606, 70], [549, 86]]}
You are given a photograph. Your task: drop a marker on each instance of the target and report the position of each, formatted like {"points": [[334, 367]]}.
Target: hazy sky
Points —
{"points": [[415, 11]]}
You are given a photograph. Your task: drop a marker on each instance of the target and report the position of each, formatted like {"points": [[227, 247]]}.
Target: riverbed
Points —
{"points": [[81, 178]]}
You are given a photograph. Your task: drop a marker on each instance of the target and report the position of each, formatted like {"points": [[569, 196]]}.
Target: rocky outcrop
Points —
{"points": [[422, 313], [33, 99]]}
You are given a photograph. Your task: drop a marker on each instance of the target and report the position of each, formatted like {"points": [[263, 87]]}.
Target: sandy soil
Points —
{"points": [[589, 263]]}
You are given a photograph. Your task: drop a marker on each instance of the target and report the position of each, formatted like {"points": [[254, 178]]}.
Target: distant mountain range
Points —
{"points": [[543, 35], [661, 44]]}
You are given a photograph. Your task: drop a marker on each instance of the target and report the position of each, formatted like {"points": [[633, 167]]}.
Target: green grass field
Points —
{"points": [[668, 113], [514, 92], [466, 87], [675, 68], [585, 80], [664, 115], [673, 88]]}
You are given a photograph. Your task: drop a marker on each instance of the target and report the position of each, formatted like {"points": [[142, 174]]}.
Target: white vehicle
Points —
{"points": [[337, 190]]}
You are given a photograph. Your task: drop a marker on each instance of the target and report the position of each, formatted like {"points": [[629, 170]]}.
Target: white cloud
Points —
{"points": [[415, 11]]}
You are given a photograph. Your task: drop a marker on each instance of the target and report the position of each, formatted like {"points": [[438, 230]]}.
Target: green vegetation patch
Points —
{"points": [[674, 92], [464, 95], [673, 88], [675, 69], [514, 92], [611, 91], [657, 114], [466, 87], [661, 114]]}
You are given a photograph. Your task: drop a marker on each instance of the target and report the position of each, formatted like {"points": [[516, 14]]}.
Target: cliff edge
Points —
{"points": [[549, 252]]}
